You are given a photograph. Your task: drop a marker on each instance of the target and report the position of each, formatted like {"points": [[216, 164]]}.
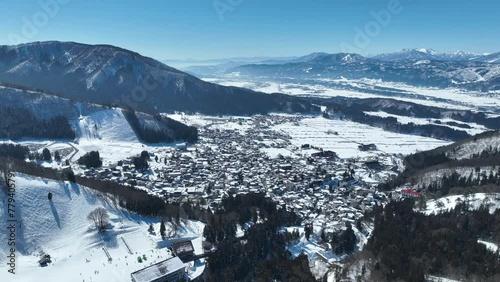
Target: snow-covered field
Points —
{"points": [[475, 128], [314, 131], [318, 131], [451, 98], [60, 228]]}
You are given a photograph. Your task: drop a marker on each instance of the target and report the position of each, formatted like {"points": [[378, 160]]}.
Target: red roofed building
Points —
{"points": [[410, 193]]}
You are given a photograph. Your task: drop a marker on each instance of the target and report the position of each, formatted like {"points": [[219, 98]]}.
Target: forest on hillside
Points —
{"points": [[407, 245], [167, 131], [18, 123], [357, 113]]}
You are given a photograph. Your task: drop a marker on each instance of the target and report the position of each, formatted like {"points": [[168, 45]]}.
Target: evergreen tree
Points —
{"points": [[162, 229], [46, 154], [323, 235], [71, 175], [91, 159], [145, 155], [308, 229], [141, 162], [335, 240], [348, 240]]}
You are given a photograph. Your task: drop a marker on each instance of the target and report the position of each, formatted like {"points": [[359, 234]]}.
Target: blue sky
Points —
{"points": [[202, 29]]}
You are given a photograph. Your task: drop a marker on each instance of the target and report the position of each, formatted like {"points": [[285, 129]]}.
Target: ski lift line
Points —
{"points": [[126, 245], [107, 253]]}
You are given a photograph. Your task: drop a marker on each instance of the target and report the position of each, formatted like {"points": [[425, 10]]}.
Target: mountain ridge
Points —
{"points": [[110, 75], [468, 75]]}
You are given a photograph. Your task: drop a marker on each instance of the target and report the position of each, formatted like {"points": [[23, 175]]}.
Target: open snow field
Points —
{"points": [[314, 131], [475, 128], [60, 229], [363, 88]]}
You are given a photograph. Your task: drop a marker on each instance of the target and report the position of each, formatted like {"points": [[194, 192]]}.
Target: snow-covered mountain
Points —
{"points": [[430, 54], [325, 58], [110, 75], [423, 69], [22, 109], [493, 58], [60, 228], [425, 54]]}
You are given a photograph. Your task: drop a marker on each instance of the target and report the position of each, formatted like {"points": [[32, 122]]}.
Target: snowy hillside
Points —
{"points": [[60, 228], [28, 108], [468, 149], [109, 75], [436, 176], [492, 201], [109, 125]]}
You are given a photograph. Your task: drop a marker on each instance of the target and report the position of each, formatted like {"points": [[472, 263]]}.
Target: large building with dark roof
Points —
{"points": [[169, 270]]}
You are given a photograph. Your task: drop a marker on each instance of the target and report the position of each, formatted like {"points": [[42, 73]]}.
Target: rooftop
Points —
{"points": [[155, 271]]}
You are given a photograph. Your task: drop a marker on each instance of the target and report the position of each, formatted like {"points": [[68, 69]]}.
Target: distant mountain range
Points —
{"points": [[416, 67], [109, 75], [430, 54], [183, 63]]}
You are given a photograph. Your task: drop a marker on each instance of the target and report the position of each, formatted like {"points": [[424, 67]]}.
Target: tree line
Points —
{"points": [[475, 178], [13, 151], [356, 113], [407, 245], [261, 254], [169, 130], [20, 123]]}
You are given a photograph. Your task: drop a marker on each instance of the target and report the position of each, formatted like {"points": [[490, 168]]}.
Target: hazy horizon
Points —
{"points": [[215, 29]]}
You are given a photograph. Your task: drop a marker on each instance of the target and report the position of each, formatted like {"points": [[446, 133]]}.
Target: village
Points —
{"points": [[243, 155], [322, 188]]}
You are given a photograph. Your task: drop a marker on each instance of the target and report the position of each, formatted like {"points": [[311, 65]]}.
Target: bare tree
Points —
{"points": [[99, 217]]}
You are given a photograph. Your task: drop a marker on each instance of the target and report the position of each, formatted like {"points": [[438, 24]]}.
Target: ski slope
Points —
{"points": [[79, 253]]}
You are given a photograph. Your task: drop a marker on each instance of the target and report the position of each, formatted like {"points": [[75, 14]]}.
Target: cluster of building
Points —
{"points": [[314, 183], [248, 156]]}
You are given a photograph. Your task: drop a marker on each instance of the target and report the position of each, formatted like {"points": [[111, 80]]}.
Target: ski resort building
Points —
{"points": [[184, 250], [166, 271]]}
